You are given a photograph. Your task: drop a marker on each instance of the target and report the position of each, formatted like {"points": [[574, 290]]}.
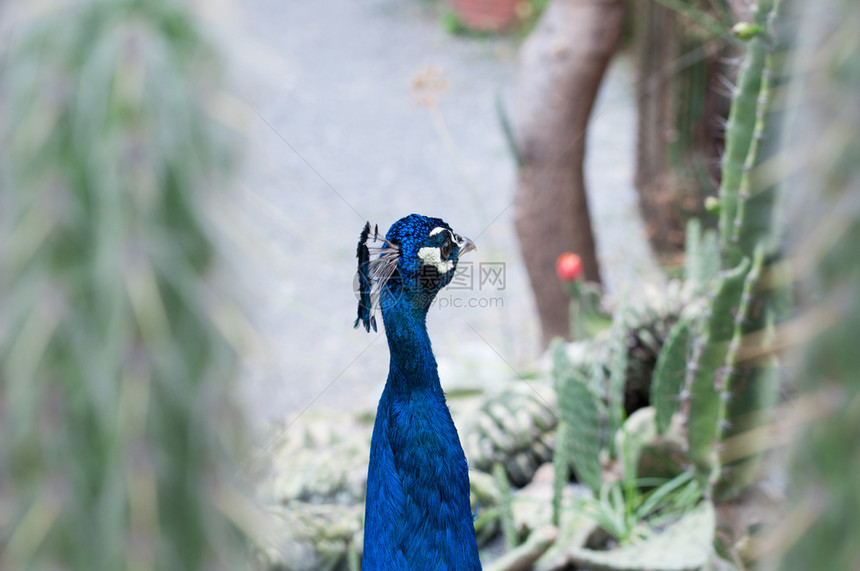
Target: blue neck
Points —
{"points": [[417, 513], [413, 366]]}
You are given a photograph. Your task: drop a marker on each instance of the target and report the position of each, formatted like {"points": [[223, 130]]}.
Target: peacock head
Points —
{"points": [[416, 258]]}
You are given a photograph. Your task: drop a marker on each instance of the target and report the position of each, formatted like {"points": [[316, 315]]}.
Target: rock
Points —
{"points": [[522, 557]]}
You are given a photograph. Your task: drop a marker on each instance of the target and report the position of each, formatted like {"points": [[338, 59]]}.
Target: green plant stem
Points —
{"points": [[617, 372], [741, 317], [739, 134], [756, 219], [707, 372], [509, 529]]}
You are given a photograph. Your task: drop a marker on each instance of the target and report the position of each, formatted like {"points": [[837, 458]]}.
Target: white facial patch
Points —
{"points": [[436, 230], [432, 256]]}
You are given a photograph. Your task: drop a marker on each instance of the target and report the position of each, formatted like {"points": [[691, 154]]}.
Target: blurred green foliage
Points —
{"points": [[821, 528], [113, 372]]}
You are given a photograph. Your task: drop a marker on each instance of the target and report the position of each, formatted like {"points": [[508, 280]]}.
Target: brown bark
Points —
{"points": [[657, 48], [679, 136], [560, 69]]}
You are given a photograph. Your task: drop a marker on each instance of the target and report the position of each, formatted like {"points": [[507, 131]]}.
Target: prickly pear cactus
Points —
{"points": [[581, 426]]}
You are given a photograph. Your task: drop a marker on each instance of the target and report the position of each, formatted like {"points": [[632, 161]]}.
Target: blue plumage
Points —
{"points": [[417, 513]]}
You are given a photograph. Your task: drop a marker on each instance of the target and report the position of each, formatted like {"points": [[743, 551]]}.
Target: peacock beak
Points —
{"points": [[465, 245]]}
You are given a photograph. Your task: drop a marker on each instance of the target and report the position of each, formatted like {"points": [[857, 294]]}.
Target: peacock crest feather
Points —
{"points": [[377, 262]]}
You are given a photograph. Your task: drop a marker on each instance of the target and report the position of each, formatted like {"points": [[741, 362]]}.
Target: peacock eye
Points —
{"points": [[445, 249]]}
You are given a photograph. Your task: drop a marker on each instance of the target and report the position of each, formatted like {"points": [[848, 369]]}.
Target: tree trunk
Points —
{"points": [[657, 47], [560, 69], [681, 106]]}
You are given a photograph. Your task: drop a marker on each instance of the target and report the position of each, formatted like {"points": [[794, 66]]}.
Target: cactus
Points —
{"points": [[506, 513], [604, 373], [701, 255], [684, 544], [114, 373], [739, 132], [309, 537], [580, 425], [617, 357], [517, 428], [720, 398], [707, 373], [485, 500], [750, 389], [562, 460], [669, 375], [756, 222]]}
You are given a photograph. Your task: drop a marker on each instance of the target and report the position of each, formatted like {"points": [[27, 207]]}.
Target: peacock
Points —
{"points": [[417, 512]]}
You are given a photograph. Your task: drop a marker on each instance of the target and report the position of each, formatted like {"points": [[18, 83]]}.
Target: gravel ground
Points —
{"points": [[337, 136]]}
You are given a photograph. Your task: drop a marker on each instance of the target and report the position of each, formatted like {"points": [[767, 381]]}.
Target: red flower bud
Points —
{"points": [[568, 266]]}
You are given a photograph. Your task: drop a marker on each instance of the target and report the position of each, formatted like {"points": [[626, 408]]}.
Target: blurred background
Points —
{"points": [[652, 347], [331, 106]]}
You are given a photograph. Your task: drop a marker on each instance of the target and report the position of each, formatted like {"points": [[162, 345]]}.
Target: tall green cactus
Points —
{"points": [[721, 396], [757, 222], [740, 130], [756, 234], [112, 372], [708, 373]]}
